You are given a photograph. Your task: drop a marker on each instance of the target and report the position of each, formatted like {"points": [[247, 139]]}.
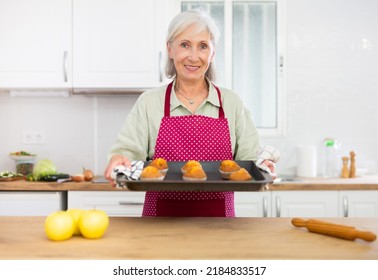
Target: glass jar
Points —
{"points": [[24, 163], [25, 167], [331, 166]]}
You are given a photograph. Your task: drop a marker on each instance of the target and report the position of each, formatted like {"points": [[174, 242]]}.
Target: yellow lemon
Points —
{"points": [[76, 215], [93, 223], [59, 226]]}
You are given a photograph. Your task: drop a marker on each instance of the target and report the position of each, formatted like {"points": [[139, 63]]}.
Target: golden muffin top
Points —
{"points": [[195, 172], [190, 164], [159, 163], [241, 175], [229, 166], [150, 172]]}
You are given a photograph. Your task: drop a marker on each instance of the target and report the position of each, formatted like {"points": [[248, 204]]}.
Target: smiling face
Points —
{"points": [[192, 52]]}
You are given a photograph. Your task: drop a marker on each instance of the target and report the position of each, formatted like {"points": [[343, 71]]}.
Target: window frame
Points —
{"points": [[280, 129]]}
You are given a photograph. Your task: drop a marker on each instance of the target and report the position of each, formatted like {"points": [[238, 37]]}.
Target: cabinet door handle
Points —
{"points": [[281, 65], [345, 206], [278, 206], [65, 55], [265, 207], [130, 203], [160, 67]]}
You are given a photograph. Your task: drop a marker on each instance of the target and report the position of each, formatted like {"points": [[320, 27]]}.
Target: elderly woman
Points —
{"points": [[188, 119]]}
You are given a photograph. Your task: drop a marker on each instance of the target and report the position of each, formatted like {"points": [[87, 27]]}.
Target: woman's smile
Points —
{"points": [[192, 68]]}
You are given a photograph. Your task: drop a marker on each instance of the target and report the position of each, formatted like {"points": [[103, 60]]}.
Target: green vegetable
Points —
{"points": [[54, 177], [30, 177], [44, 167], [8, 174]]}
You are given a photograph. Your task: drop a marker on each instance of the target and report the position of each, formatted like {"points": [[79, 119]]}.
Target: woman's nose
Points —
{"points": [[193, 55]]}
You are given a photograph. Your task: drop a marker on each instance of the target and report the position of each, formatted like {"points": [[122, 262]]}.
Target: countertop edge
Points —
{"points": [[313, 184]]}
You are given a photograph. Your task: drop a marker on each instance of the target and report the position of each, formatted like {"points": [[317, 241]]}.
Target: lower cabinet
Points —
{"points": [[358, 203], [114, 203], [354, 203], [252, 204], [130, 204], [34, 203], [305, 203]]}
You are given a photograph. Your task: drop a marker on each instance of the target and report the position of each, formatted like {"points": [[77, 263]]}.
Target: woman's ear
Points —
{"points": [[169, 49], [212, 57]]}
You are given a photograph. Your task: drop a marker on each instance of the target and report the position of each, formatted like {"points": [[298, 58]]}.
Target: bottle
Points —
{"points": [[332, 160]]}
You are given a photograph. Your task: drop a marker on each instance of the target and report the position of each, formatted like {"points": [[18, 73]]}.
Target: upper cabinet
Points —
{"points": [[82, 44], [118, 44], [35, 44]]}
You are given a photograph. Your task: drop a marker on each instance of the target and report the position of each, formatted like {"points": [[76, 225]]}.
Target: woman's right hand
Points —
{"points": [[113, 162]]}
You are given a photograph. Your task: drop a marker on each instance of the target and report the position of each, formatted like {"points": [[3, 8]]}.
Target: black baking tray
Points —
{"points": [[173, 179]]}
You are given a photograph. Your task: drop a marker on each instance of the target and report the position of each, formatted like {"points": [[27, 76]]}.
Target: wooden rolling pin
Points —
{"points": [[335, 230]]}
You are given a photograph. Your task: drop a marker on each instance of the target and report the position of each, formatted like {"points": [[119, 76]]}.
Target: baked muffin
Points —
{"points": [[195, 173], [227, 167], [151, 173], [241, 175], [189, 165], [161, 164]]}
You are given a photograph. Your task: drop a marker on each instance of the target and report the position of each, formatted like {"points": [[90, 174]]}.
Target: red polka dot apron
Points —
{"points": [[192, 137]]}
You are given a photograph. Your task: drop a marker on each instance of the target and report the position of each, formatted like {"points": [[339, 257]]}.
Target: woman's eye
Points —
{"points": [[184, 45], [203, 46]]}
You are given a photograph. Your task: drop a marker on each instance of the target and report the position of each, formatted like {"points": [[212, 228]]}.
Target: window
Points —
{"points": [[249, 56]]}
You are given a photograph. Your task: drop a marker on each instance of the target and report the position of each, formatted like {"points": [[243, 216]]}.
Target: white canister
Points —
{"points": [[306, 161]]}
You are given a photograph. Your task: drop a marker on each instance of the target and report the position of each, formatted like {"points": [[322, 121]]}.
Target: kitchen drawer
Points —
{"points": [[30, 203], [114, 203]]}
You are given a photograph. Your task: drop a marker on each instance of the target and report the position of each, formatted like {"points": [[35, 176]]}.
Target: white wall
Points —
{"points": [[332, 78], [332, 90]]}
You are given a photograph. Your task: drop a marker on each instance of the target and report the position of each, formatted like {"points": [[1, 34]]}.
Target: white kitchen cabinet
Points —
{"points": [[35, 44], [114, 203], [130, 204], [358, 203], [118, 44], [33, 203], [253, 204], [305, 203]]}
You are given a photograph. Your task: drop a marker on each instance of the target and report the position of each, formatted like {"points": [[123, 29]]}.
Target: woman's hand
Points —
{"points": [[113, 162], [271, 166]]}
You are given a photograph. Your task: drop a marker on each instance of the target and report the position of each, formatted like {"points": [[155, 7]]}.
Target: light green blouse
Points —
{"points": [[137, 138]]}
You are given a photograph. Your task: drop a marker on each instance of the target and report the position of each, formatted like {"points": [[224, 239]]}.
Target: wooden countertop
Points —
{"points": [[22, 185], [187, 238], [368, 182]]}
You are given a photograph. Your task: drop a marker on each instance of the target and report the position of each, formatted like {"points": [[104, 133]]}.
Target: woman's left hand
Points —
{"points": [[271, 166]]}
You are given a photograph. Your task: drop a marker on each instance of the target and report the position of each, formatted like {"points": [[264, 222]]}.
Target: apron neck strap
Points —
{"points": [[167, 102], [221, 112]]}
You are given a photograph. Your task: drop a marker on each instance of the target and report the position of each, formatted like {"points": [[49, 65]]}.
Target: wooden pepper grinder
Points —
{"points": [[352, 169], [345, 170]]}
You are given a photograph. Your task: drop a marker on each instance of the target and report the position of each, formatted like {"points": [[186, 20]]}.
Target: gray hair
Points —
{"points": [[182, 21]]}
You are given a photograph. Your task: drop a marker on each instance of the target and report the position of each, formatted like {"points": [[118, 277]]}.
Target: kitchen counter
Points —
{"points": [[22, 185], [188, 238], [368, 182]]}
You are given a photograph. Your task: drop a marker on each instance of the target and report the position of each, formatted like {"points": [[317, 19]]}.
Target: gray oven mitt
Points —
{"points": [[121, 174], [267, 153]]}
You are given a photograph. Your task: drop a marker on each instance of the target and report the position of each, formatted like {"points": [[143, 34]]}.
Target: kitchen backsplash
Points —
{"points": [[331, 90]]}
